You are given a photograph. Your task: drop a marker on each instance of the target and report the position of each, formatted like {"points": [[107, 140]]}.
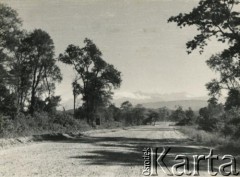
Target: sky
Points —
{"points": [[134, 36]]}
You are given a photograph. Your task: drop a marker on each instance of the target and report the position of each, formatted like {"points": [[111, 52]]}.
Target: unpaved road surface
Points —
{"points": [[116, 152]]}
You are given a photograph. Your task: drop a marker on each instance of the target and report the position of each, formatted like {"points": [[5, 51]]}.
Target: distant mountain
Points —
{"points": [[152, 98], [185, 104]]}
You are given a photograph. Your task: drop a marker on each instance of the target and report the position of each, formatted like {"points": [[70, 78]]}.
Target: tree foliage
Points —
{"points": [[127, 112], [180, 117], [139, 114], [231, 126], [229, 70], [233, 99], [10, 29], [96, 78], [37, 66], [216, 19], [163, 113], [213, 18], [210, 117], [10, 25], [27, 64], [153, 116]]}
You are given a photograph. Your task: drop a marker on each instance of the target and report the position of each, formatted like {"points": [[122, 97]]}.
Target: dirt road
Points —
{"points": [[116, 152]]}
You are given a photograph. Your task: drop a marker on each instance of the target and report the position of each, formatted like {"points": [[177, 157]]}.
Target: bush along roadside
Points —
{"points": [[39, 123]]}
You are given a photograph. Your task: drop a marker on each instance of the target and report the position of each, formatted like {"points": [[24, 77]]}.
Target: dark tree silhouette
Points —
{"points": [[10, 25], [233, 99], [96, 78], [216, 19], [229, 70], [38, 51], [213, 18]]}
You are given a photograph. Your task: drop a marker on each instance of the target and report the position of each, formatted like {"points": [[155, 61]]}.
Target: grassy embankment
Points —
{"points": [[212, 139]]}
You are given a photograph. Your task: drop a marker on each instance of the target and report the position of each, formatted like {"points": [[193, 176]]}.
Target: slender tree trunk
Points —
{"points": [[74, 105], [87, 110], [18, 102], [31, 110], [32, 103]]}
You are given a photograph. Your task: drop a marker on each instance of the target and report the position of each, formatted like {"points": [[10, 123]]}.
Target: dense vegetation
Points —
{"points": [[28, 78], [29, 75], [218, 20]]}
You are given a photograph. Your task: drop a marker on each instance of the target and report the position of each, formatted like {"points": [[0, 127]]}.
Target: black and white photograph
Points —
{"points": [[119, 88]]}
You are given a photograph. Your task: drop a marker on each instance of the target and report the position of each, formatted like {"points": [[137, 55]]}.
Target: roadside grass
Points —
{"points": [[212, 139], [44, 123], [40, 123], [203, 137]]}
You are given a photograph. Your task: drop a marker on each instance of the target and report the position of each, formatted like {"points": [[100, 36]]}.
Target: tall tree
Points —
{"points": [[216, 19], [27, 65], [96, 78], [10, 31], [38, 53], [19, 80]]}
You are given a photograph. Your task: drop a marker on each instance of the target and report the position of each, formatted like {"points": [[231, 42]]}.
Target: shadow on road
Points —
{"points": [[126, 151]]}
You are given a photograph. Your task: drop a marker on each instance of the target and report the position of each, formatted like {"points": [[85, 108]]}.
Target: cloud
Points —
{"points": [[131, 95]]}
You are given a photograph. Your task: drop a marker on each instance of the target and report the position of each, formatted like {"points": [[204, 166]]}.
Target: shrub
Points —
{"points": [[207, 123], [231, 120], [183, 117], [6, 125], [210, 117], [40, 122]]}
